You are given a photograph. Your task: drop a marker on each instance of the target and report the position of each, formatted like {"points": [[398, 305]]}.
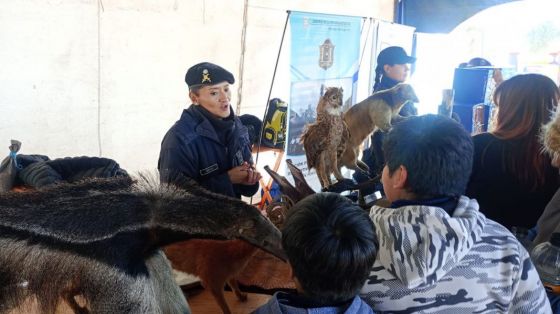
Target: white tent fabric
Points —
{"points": [[105, 78]]}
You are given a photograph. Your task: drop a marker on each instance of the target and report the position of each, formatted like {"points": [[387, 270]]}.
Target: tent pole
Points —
{"points": [[270, 90], [272, 84]]}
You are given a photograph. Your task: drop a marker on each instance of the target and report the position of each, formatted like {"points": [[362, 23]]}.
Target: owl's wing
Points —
{"points": [[315, 140]]}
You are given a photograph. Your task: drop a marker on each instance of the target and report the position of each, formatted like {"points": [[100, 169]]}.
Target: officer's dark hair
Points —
{"points": [[379, 72], [436, 151], [331, 245], [195, 89]]}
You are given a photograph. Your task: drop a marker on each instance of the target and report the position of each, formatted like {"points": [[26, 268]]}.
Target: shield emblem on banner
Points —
{"points": [[326, 51]]}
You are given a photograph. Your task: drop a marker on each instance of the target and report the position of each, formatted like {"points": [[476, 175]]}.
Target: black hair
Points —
{"points": [[379, 72], [478, 62], [436, 151], [331, 245], [195, 89]]}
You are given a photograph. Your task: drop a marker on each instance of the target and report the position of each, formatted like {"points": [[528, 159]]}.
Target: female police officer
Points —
{"points": [[392, 68], [209, 143]]}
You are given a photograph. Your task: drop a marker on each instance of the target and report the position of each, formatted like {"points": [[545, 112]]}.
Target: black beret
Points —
{"points": [[207, 73]]}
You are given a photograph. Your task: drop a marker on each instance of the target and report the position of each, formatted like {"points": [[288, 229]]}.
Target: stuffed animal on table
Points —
{"points": [[95, 245], [214, 262], [374, 113], [323, 140]]}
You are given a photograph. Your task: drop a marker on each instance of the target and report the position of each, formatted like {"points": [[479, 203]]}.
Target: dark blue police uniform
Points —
{"points": [[193, 149], [204, 148]]}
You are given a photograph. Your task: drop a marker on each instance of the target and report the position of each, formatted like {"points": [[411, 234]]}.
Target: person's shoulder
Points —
{"points": [[272, 306], [493, 228], [189, 119], [359, 306], [485, 137], [488, 143], [501, 238], [183, 131]]}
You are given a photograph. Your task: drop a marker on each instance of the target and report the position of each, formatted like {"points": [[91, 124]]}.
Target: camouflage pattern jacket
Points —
{"points": [[430, 262]]}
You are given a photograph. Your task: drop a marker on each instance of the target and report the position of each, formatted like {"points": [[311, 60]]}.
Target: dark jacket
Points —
{"points": [[373, 156], [501, 196], [192, 149], [38, 171]]}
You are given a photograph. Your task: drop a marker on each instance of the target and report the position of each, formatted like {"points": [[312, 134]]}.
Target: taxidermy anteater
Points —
{"points": [[369, 115], [95, 244], [323, 140], [214, 262]]}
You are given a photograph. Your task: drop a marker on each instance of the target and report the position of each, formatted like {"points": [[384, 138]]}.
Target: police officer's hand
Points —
{"points": [[244, 174]]}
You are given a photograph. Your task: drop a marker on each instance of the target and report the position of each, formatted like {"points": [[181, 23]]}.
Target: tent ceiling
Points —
{"points": [[440, 16]]}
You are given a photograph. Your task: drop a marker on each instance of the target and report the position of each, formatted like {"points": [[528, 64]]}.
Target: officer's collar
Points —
{"points": [[387, 82]]}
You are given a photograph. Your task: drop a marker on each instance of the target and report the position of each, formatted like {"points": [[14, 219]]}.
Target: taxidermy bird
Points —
{"points": [[94, 246], [323, 139], [374, 113]]}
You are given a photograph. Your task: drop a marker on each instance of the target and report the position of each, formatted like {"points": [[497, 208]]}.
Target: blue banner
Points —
{"points": [[325, 51]]}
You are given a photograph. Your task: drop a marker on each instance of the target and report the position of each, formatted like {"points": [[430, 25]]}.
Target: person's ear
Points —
{"points": [[401, 175], [386, 68], [193, 97]]}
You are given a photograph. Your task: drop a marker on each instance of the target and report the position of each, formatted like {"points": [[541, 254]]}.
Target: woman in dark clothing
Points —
{"points": [[392, 68], [512, 178], [209, 143]]}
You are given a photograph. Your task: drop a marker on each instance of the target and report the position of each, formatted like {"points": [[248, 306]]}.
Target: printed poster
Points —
{"points": [[325, 52]]}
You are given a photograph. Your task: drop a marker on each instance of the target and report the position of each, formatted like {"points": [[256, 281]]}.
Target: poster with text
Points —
{"points": [[325, 52]]}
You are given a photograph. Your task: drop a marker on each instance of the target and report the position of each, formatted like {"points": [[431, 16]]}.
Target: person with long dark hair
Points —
{"points": [[392, 68], [512, 178]]}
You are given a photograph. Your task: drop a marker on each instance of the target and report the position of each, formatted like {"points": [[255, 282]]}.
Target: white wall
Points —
{"points": [[105, 78]]}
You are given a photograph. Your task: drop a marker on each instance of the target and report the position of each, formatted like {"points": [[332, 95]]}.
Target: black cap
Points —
{"points": [[394, 55], [207, 73]]}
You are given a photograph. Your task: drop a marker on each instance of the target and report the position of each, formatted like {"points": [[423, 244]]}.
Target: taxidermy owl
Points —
{"points": [[323, 140]]}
